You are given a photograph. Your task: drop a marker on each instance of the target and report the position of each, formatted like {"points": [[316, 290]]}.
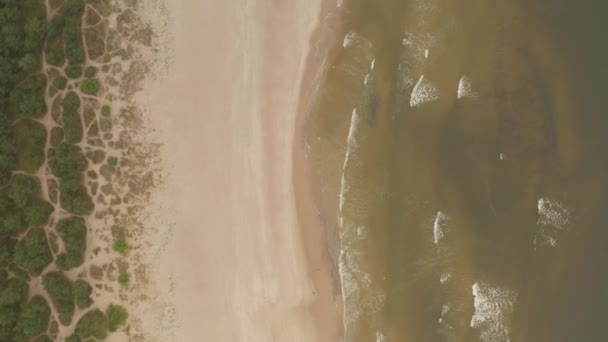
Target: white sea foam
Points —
{"points": [[367, 78], [502, 156], [405, 79], [492, 304], [350, 39], [445, 309], [439, 226], [380, 337], [408, 39], [424, 91], [445, 277], [465, 89], [361, 232], [351, 144], [553, 220], [340, 3], [359, 297], [419, 44], [373, 65]]}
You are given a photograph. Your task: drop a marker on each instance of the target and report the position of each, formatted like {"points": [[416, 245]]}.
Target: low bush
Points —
{"points": [[33, 252], [59, 288], [93, 324], [117, 316], [89, 86]]}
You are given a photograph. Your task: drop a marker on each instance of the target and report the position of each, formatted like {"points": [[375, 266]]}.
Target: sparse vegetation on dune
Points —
{"points": [[37, 243]]}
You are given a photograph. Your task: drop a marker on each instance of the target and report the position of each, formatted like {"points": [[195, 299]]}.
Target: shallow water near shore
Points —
{"points": [[458, 149]]}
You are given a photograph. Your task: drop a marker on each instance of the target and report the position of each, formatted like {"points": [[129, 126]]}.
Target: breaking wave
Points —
{"points": [[492, 305], [553, 221]]}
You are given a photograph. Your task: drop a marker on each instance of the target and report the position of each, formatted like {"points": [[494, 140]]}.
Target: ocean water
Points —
{"points": [[460, 150]]}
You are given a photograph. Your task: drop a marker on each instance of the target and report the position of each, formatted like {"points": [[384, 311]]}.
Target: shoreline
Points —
{"points": [[321, 241]]}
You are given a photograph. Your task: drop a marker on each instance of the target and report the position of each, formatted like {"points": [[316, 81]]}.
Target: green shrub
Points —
{"points": [[73, 71], [60, 82], [72, 126], [37, 213], [113, 160], [8, 150], [30, 142], [55, 56], [71, 101], [28, 99], [89, 86], [35, 317], [75, 198], [73, 338], [56, 136], [69, 162], [93, 324], [72, 33], [106, 110], [123, 278], [30, 63], [12, 222], [73, 232], [6, 254], [19, 272], [23, 189], [59, 288], [13, 294], [120, 246], [43, 338], [90, 72], [117, 316], [33, 252], [82, 294]]}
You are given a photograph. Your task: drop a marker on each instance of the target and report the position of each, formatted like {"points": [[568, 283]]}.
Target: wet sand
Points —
{"points": [[237, 264]]}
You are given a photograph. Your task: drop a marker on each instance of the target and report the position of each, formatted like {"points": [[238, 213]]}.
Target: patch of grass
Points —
{"points": [[60, 82], [117, 316], [90, 72], [121, 246], [73, 71], [113, 160], [106, 110], [90, 86], [123, 278]]}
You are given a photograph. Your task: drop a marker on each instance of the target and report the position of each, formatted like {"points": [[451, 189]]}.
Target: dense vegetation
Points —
{"points": [[117, 316], [28, 236], [59, 287], [68, 164], [35, 317], [33, 252], [82, 294], [73, 231]]}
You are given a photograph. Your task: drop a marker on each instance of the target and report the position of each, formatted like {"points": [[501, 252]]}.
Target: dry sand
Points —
{"points": [[237, 266]]}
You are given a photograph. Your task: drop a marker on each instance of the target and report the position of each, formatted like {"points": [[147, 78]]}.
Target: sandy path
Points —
{"points": [[226, 113]]}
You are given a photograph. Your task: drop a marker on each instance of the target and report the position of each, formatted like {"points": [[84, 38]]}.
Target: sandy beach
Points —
{"points": [[237, 264]]}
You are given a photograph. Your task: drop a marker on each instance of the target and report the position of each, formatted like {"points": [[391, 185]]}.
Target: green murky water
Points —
{"points": [[459, 148]]}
